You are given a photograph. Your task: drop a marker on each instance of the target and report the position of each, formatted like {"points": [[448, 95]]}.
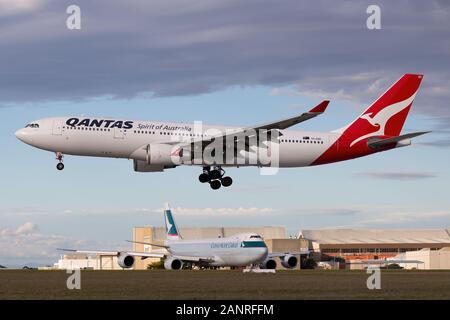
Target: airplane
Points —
{"points": [[156, 146], [240, 250]]}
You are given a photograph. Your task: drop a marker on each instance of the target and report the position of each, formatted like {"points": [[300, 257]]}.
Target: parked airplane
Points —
{"points": [[239, 250], [155, 146]]}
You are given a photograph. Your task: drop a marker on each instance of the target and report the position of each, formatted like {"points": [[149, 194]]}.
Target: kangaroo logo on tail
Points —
{"points": [[386, 116], [381, 118]]}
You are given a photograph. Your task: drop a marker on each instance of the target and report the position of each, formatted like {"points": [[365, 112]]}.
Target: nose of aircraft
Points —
{"points": [[21, 135]]}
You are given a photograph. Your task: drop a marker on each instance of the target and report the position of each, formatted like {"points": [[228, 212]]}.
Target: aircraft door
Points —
{"points": [[57, 127], [119, 133]]}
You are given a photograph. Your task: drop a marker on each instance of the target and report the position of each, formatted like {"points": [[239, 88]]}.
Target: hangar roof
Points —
{"points": [[355, 236]]}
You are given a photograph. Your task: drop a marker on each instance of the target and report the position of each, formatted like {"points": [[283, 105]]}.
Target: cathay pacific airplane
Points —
{"points": [[246, 249], [155, 146]]}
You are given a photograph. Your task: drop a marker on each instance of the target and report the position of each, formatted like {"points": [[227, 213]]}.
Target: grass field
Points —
{"points": [[162, 284]]}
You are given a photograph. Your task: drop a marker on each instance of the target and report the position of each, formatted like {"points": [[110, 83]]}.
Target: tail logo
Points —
{"points": [[171, 229], [381, 118]]}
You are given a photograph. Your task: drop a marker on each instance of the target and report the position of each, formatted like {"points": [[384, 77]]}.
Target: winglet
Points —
{"points": [[320, 108]]}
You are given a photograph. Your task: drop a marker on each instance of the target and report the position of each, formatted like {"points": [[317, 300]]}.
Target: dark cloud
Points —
{"points": [[180, 47], [400, 176], [443, 143]]}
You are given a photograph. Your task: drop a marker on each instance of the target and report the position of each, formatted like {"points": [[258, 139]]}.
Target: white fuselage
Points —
{"points": [[295, 148], [234, 251]]}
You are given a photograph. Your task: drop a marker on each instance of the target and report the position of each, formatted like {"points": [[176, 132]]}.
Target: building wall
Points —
{"points": [[380, 250], [283, 245], [99, 262], [432, 259]]}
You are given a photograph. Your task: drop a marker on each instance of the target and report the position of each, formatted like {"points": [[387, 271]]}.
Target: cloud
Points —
{"points": [[26, 228], [315, 212], [442, 143], [402, 217], [12, 7], [26, 212], [400, 176], [239, 211], [321, 49], [26, 245]]}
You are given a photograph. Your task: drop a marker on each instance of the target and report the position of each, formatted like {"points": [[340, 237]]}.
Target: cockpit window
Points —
{"points": [[255, 237], [32, 125]]}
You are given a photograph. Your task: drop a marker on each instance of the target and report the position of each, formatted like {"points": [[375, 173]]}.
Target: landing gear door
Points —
{"points": [[57, 127], [119, 133]]}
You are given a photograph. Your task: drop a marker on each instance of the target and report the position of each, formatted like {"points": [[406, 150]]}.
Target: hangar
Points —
{"points": [[432, 259], [358, 244], [432, 246]]}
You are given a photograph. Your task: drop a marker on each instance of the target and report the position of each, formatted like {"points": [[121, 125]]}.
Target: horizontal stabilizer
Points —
{"points": [[379, 143]]}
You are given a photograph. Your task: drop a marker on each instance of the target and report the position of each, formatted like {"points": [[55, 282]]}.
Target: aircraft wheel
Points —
{"points": [[215, 174], [204, 177], [226, 181], [215, 184], [60, 166]]}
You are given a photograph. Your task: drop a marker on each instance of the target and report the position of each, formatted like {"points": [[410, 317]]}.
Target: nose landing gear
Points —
{"points": [[215, 177], [60, 165]]}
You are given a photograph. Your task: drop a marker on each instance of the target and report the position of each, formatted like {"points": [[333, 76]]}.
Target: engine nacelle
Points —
{"points": [[142, 166], [156, 157], [125, 261], [173, 264], [268, 264], [289, 261]]}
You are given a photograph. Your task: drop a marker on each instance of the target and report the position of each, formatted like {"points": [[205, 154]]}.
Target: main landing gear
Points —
{"points": [[215, 177], [59, 157]]}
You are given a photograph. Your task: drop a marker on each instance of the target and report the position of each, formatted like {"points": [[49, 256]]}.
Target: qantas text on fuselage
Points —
{"points": [[155, 146]]}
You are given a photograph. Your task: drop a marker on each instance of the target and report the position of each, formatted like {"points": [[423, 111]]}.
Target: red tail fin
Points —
{"points": [[386, 116]]}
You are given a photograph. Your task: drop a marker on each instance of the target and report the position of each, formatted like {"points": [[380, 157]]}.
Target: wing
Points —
{"points": [[195, 258], [146, 254], [282, 254], [275, 125], [148, 243], [289, 122], [382, 261], [116, 253]]}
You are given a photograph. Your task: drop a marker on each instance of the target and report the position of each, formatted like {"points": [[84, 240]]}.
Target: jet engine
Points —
{"points": [[142, 166], [155, 157], [268, 264], [125, 261], [173, 264], [289, 261]]}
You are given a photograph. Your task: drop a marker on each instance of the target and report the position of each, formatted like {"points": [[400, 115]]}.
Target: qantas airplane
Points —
{"points": [[239, 250], [156, 146]]}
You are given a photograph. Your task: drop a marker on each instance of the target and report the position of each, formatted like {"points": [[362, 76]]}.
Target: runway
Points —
{"points": [[163, 284]]}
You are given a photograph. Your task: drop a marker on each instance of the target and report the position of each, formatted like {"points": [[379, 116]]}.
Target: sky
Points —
{"points": [[221, 62]]}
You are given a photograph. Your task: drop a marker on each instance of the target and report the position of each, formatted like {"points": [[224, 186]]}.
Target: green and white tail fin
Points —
{"points": [[171, 227]]}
